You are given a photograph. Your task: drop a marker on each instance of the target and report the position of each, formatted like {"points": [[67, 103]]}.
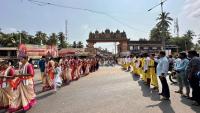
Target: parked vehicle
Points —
{"points": [[36, 63]]}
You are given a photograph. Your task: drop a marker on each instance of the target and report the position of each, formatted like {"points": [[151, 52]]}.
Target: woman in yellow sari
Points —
{"points": [[139, 66], [154, 80], [136, 65], [142, 73], [146, 75]]}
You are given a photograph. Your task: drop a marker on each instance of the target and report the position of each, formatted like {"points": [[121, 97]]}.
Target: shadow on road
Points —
{"points": [[37, 83], [44, 95], [3, 111], [189, 103], [147, 92], [135, 77], [165, 106]]}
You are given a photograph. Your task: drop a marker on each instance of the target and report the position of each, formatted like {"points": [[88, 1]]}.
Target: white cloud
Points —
{"points": [[192, 8], [9, 30], [189, 17]]}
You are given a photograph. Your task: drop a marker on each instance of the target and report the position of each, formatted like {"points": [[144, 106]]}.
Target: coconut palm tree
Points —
{"points": [[164, 21], [52, 39], [40, 37], [61, 37], [80, 44], [74, 45], [189, 34]]}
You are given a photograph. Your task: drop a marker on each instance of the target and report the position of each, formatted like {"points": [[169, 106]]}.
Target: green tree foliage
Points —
{"points": [[52, 39], [74, 45], [24, 37], [162, 28], [189, 34], [40, 37], [63, 43], [155, 34], [184, 42], [13, 39], [80, 44], [143, 39], [164, 21]]}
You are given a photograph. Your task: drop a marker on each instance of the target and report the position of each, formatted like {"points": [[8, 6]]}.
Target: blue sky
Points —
{"points": [[23, 15]]}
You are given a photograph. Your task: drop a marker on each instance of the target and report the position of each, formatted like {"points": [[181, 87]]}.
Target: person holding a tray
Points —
{"points": [[24, 93]]}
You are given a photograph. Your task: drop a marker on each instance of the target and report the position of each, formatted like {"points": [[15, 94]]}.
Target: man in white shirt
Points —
{"points": [[162, 70]]}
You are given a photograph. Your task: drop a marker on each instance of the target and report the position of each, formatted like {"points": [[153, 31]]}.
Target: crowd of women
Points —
{"points": [[150, 67], [17, 90], [64, 71]]}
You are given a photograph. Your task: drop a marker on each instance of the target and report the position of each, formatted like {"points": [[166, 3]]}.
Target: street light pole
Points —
{"points": [[161, 4], [20, 40], [162, 31]]}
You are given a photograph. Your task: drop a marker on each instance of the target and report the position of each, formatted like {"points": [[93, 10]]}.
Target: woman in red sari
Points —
{"points": [[24, 93], [51, 69], [79, 68], [87, 70], [48, 82], [6, 85], [74, 69], [68, 70], [64, 70], [84, 65]]}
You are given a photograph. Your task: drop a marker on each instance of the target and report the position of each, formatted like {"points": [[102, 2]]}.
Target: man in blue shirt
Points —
{"points": [[42, 67], [181, 74], [162, 70]]}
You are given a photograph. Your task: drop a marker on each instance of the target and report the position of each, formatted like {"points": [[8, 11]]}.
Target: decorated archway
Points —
{"points": [[108, 36]]}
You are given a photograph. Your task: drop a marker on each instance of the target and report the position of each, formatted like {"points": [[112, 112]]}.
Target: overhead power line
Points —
{"points": [[161, 3], [41, 3]]}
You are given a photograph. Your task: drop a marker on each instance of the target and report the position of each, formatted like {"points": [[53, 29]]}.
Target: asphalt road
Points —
{"points": [[109, 90]]}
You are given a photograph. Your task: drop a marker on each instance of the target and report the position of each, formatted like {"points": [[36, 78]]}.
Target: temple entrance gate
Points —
{"points": [[108, 36]]}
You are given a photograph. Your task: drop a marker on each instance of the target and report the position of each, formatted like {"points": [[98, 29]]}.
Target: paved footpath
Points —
{"points": [[110, 90]]}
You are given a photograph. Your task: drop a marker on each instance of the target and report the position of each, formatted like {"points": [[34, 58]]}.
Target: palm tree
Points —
{"points": [[24, 37], [61, 38], [74, 45], [1, 38], [40, 37], [52, 39], [80, 44], [189, 34], [164, 21], [8, 40]]}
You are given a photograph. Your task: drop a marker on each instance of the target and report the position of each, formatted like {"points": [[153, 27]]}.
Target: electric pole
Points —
{"points": [[20, 38], [162, 30]]}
